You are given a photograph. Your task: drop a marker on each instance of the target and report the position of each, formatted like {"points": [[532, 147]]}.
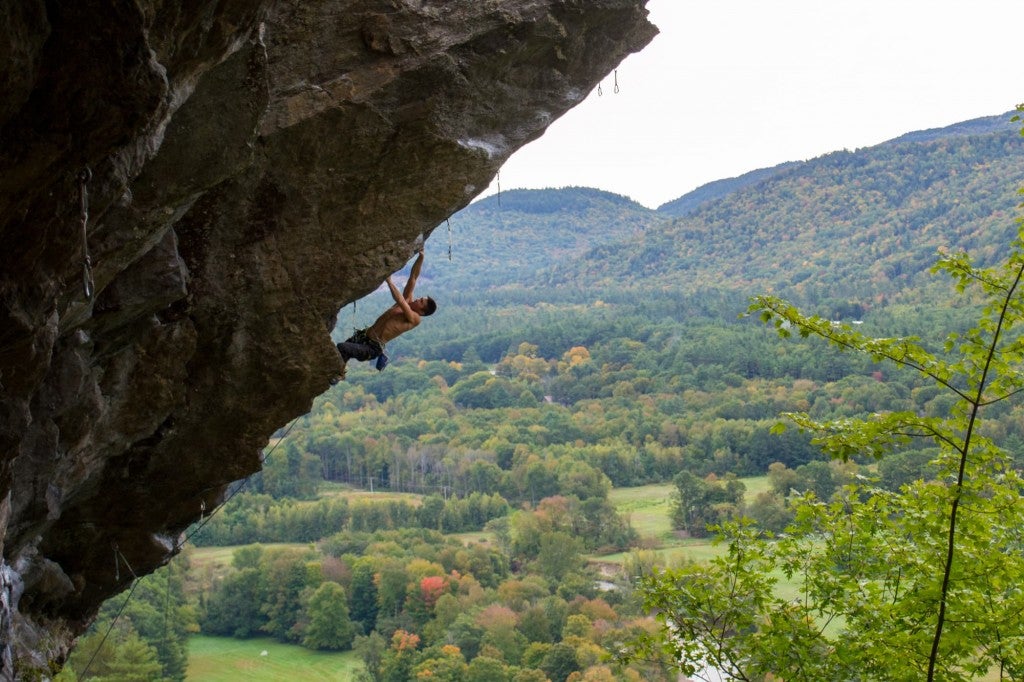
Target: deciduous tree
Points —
{"points": [[329, 624]]}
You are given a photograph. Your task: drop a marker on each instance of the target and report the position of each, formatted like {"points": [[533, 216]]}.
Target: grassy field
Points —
{"points": [[220, 557], [207, 564], [332, 489], [679, 552], [649, 509], [479, 537], [221, 659], [755, 485]]}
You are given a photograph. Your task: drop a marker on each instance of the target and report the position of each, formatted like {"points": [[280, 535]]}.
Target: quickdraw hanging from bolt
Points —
{"points": [[615, 88], [83, 220]]}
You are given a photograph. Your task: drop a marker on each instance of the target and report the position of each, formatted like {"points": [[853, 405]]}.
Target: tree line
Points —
{"points": [[261, 518]]}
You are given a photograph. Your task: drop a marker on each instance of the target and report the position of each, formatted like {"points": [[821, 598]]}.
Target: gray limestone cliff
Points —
{"points": [[235, 171]]}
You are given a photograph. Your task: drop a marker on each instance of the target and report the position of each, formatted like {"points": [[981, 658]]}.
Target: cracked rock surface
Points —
{"points": [[242, 169]]}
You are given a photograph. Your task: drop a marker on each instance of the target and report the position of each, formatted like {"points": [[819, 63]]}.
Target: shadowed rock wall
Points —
{"points": [[254, 165]]}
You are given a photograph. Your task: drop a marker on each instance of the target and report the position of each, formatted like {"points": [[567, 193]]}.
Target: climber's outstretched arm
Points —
{"points": [[414, 275]]}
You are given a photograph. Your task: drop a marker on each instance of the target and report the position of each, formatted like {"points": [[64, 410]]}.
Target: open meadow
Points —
{"points": [[222, 659], [333, 489], [649, 510], [207, 564]]}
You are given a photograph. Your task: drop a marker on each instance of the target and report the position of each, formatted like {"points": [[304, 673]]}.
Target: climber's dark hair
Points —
{"points": [[431, 306]]}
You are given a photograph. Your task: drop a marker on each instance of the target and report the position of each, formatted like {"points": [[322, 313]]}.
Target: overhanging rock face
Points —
{"points": [[252, 167]]}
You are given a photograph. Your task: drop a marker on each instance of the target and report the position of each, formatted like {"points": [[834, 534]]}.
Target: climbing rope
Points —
{"points": [[167, 609], [119, 557], [83, 221], [103, 641], [241, 485], [449, 221]]}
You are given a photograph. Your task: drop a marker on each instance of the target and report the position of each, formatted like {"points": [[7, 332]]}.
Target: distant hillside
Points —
{"points": [[508, 238], [691, 201], [857, 224], [978, 126]]}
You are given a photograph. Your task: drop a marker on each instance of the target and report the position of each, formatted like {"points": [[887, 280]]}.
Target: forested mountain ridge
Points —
{"points": [[974, 126], [508, 237], [716, 189], [868, 221]]}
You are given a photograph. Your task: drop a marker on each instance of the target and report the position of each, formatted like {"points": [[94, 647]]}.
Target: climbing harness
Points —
{"points": [[83, 220]]}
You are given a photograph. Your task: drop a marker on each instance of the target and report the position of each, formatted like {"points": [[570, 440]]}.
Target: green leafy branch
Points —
{"points": [[987, 371]]}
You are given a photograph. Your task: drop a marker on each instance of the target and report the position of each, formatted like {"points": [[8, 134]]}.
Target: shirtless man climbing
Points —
{"points": [[368, 344]]}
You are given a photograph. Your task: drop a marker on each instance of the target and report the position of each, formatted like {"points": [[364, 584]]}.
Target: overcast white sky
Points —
{"points": [[733, 85]]}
